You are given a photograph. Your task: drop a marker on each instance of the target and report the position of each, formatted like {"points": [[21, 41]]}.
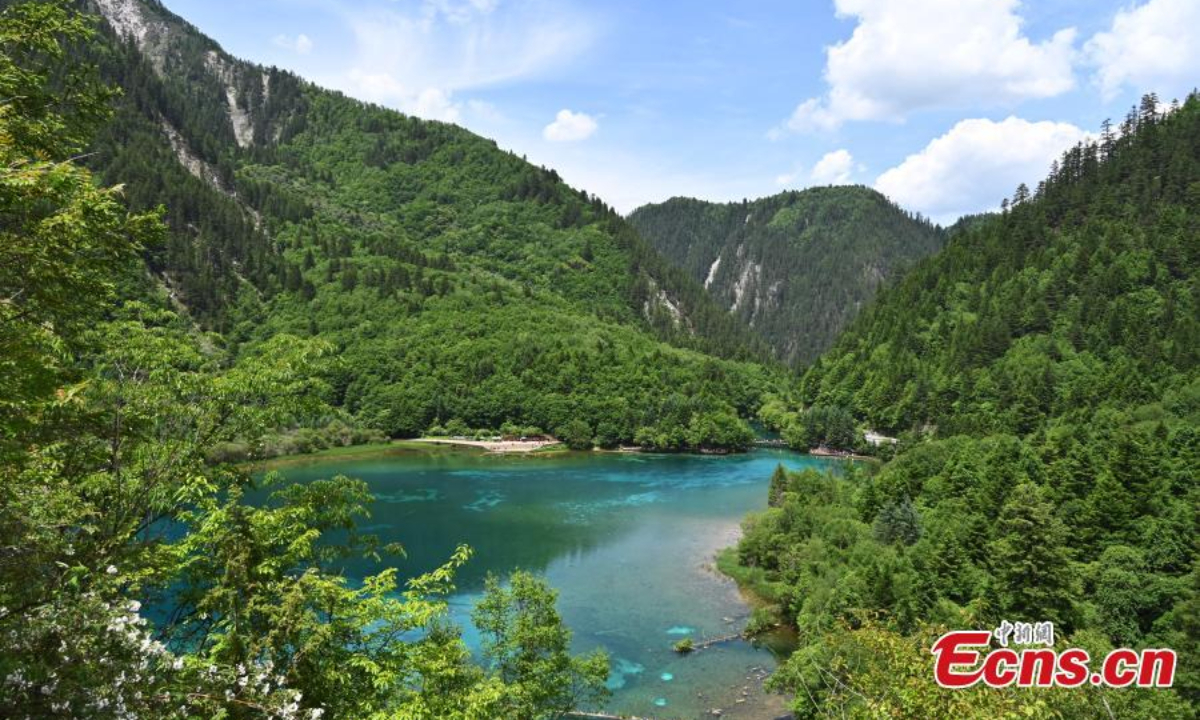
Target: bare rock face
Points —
{"points": [[132, 22], [795, 267], [152, 35], [126, 18], [243, 129]]}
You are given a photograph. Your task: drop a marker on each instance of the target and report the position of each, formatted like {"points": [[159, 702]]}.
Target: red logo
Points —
{"points": [[965, 657]]}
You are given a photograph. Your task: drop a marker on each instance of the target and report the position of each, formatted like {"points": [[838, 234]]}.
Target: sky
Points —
{"points": [[942, 105]]}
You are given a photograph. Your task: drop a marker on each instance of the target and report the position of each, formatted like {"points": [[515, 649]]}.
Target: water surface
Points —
{"points": [[627, 540]]}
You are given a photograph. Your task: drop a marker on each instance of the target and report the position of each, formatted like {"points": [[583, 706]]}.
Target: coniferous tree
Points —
{"points": [[1032, 565]]}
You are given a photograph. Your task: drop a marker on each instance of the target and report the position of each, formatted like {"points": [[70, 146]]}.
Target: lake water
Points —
{"points": [[627, 540]]}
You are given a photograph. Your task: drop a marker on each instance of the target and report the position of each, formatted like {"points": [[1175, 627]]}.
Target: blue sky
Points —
{"points": [[944, 105]]}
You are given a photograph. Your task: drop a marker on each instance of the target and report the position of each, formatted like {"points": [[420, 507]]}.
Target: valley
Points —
{"points": [[628, 541], [313, 407]]}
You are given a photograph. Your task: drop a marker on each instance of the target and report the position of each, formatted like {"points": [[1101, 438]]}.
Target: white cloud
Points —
{"points": [[420, 59], [975, 164], [812, 114], [300, 44], [907, 56], [435, 103], [785, 179], [1153, 47], [431, 103], [835, 168], [570, 127]]}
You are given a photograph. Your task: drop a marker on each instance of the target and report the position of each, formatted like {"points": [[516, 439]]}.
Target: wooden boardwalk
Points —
{"points": [[583, 715], [703, 644]]}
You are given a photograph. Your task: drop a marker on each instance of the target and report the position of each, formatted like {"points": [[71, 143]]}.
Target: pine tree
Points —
{"points": [[898, 522], [1031, 561], [1021, 195]]}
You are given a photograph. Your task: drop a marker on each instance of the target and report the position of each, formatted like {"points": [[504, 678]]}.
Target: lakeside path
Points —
{"points": [[495, 446]]}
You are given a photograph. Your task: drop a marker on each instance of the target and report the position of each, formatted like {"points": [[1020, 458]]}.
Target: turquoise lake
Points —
{"points": [[627, 540]]}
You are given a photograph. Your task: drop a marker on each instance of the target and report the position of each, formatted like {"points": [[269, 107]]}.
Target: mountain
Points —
{"points": [[1082, 295], [170, 584], [797, 266], [460, 285], [1043, 374]]}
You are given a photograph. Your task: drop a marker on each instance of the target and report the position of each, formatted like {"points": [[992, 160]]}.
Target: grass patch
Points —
{"points": [[753, 581], [348, 452], [559, 449]]}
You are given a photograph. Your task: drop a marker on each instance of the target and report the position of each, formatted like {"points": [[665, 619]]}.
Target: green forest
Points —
{"points": [[205, 263], [795, 267], [108, 499], [1042, 374], [456, 284]]}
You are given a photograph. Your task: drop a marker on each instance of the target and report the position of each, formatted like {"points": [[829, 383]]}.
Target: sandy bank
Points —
{"points": [[496, 446]]}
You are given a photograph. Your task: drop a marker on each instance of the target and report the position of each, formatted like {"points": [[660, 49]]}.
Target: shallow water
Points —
{"points": [[627, 540]]}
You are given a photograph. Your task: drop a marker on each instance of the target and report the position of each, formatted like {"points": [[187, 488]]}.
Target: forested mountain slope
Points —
{"points": [[1043, 371], [139, 578], [457, 282], [797, 266], [1083, 294]]}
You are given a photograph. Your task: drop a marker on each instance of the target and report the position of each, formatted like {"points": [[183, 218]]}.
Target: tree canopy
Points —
{"points": [[1041, 372], [457, 282], [136, 579]]}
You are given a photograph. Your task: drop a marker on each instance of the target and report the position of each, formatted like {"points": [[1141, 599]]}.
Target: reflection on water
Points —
{"points": [[627, 540]]}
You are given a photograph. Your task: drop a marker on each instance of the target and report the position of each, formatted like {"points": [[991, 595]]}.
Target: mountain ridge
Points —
{"points": [[795, 266], [293, 209], [1042, 374], [264, 106]]}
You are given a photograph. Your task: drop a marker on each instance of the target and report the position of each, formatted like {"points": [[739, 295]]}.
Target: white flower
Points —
{"points": [[111, 570]]}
